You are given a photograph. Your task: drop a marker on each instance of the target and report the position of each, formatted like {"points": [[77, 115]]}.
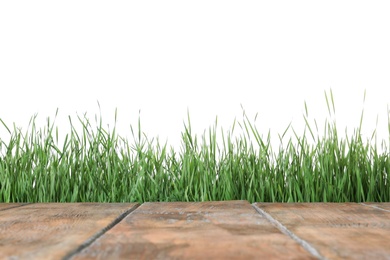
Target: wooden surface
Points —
{"points": [[384, 206], [337, 230], [207, 230], [51, 231], [5, 206]]}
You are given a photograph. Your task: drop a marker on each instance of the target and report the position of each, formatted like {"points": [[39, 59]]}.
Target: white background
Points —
{"points": [[210, 57]]}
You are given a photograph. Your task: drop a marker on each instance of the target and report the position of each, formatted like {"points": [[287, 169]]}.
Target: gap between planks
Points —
{"points": [[374, 206], [307, 246], [92, 239]]}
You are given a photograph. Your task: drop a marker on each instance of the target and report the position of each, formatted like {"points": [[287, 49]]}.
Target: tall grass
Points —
{"points": [[96, 165]]}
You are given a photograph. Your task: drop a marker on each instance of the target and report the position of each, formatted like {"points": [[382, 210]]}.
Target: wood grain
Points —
{"points": [[52, 230], [207, 230], [336, 230], [6, 206], [383, 205]]}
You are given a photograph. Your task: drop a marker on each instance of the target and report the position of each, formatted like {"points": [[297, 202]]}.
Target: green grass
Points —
{"points": [[96, 165]]}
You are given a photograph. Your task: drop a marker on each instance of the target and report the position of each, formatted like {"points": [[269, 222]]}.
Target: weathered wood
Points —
{"points": [[6, 206], [208, 230], [53, 230], [383, 205], [230, 229], [336, 230]]}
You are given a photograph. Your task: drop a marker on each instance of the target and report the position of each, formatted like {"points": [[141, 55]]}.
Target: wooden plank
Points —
{"points": [[6, 206], [207, 230], [383, 205], [53, 230], [336, 230]]}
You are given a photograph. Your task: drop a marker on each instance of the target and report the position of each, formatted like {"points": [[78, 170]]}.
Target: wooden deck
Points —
{"points": [[204, 230]]}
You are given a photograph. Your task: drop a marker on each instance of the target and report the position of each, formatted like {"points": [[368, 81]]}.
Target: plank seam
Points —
{"points": [[289, 233], [17, 206], [373, 206], [92, 239]]}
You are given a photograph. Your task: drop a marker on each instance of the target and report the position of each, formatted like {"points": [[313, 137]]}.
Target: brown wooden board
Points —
{"points": [[336, 230], [53, 230], [206, 230], [6, 206], [383, 205]]}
